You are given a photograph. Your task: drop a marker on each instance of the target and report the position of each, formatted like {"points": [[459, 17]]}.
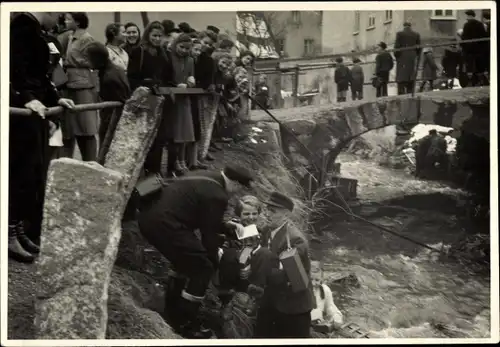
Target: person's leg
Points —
{"points": [[88, 147], [68, 149], [152, 164], [211, 112], [172, 159], [379, 91], [384, 89], [401, 88], [105, 117], [181, 158], [360, 93], [265, 326], [422, 86]]}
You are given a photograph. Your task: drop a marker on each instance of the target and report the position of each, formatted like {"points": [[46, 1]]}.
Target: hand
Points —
{"points": [[66, 103], [191, 81], [281, 266], [239, 228], [37, 107], [182, 85]]}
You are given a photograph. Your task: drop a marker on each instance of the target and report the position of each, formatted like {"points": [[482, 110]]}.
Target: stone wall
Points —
{"points": [[326, 129]]}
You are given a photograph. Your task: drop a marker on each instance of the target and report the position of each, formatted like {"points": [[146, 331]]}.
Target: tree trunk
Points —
{"points": [[145, 19]]}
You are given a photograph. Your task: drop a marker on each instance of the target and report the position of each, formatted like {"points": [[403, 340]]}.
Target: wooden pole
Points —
{"points": [[296, 86]]}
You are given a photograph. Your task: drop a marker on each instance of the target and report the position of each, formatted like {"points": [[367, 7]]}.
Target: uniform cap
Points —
{"points": [[279, 200]]}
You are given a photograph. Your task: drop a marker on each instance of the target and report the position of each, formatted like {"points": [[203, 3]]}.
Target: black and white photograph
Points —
{"points": [[254, 173]]}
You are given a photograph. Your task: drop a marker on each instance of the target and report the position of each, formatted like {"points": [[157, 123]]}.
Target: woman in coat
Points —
{"points": [[147, 67], [193, 161], [429, 72], [180, 130], [81, 88], [113, 87]]}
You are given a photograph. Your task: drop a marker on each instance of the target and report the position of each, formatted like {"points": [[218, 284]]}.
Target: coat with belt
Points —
{"points": [[279, 293], [82, 85], [405, 60], [429, 72]]}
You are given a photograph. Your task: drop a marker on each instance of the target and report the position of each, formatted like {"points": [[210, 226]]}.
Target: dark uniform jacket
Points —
{"points": [[187, 205]]}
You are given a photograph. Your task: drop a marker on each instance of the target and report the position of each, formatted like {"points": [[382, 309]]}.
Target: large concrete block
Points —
{"points": [[80, 236], [355, 120], [134, 136]]}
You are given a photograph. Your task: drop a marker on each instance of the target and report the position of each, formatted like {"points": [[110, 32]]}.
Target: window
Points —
{"points": [[296, 17], [308, 46], [357, 22], [388, 16], [371, 22], [444, 14]]}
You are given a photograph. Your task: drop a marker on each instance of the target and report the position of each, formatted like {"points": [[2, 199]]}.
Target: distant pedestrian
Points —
{"points": [[451, 63], [474, 52], [342, 77], [383, 66], [429, 72], [406, 59], [357, 80]]}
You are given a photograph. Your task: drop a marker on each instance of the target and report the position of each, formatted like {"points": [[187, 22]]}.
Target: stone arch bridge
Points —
{"points": [[327, 129]]}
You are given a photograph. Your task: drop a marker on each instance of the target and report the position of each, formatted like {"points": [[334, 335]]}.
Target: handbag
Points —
{"points": [[293, 267]]}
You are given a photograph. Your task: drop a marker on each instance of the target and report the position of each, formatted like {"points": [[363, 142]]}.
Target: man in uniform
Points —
{"points": [[196, 201]]}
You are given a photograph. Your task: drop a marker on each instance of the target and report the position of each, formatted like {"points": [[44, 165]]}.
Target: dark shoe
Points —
{"points": [[201, 166], [28, 245], [171, 311], [16, 250], [209, 157]]}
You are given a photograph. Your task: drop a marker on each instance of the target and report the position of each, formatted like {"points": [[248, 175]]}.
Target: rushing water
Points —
{"points": [[404, 290]]}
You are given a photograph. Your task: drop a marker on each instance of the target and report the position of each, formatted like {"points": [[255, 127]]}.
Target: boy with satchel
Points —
{"points": [[288, 299]]}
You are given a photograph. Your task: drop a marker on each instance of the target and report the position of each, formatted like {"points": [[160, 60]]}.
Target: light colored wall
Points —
{"points": [[309, 28], [198, 20]]}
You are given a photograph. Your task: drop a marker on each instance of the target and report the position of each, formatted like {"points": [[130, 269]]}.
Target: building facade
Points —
{"points": [[346, 31], [301, 36]]}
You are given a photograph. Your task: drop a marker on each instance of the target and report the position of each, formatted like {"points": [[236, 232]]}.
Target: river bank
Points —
{"points": [[404, 290]]}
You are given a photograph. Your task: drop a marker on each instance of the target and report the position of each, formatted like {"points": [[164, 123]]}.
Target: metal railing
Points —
{"points": [[157, 90], [295, 71]]}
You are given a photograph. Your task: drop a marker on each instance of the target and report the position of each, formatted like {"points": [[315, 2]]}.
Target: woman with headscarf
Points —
{"points": [[147, 67], [180, 130], [115, 38], [82, 88], [133, 37]]}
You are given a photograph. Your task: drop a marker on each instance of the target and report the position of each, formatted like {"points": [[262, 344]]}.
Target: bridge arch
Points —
{"points": [[327, 129]]}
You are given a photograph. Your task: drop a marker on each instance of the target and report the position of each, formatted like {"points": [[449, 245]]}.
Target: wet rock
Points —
{"points": [[80, 238], [343, 280], [301, 126]]}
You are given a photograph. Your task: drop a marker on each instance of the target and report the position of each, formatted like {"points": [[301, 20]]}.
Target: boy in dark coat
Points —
{"points": [[31, 88], [170, 227], [383, 66], [284, 313], [342, 78], [357, 80]]}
